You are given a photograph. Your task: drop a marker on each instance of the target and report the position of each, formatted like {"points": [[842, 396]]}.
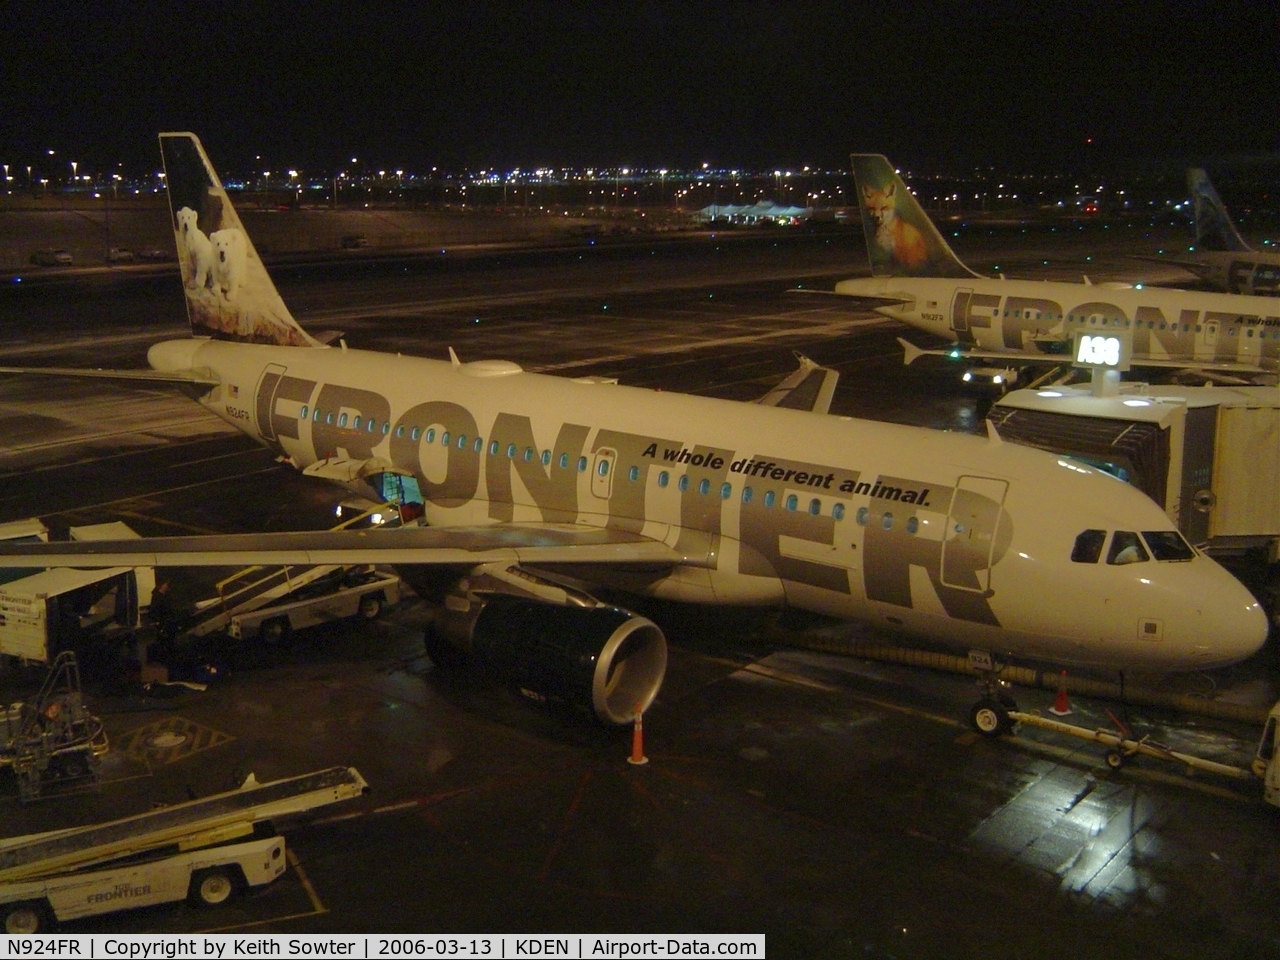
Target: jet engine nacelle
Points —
{"points": [[600, 658]]}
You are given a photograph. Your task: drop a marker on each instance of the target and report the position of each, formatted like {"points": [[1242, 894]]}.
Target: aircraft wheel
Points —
{"points": [[26, 917], [1115, 759], [370, 606], [989, 717], [214, 886]]}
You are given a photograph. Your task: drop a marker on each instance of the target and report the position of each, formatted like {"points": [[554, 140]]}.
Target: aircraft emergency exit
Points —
{"points": [[917, 279], [538, 490]]}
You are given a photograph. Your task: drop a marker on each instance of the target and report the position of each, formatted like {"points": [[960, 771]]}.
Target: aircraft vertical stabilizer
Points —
{"points": [[901, 239], [229, 294], [1214, 229]]}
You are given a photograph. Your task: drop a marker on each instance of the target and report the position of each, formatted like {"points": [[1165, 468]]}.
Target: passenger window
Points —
{"points": [[342, 420], [603, 468], [863, 513], [546, 458], [837, 512], [726, 491], [815, 507], [913, 524], [684, 483], [1126, 548], [462, 441], [528, 454], [399, 429], [633, 474], [664, 478], [1088, 546], [886, 521], [564, 461], [769, 498], [479, 445], [704, 486], [511, 451], [493, 448], [1168, 545], [746, 494], [316, 417], [304, 413], [444, 437], [792, 502], [430, 435], [356, 424], [582, 464]]}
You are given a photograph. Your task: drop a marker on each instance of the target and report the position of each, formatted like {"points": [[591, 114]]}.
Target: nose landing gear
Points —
{"points": [[990, 715]]}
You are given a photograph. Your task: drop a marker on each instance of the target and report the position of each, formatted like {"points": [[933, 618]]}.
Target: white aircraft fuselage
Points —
{"points": [[1018, 315], [960, 539]]}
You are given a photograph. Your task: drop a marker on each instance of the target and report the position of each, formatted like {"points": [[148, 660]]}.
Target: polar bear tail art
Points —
{"points": [[229, 293]]}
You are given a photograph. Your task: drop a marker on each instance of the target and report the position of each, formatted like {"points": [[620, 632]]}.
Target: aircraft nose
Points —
{"points": [[1234, 625]]}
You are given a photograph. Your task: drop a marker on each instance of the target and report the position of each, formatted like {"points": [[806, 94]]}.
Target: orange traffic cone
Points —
{"points": [[1061, 705], [637, 740]]}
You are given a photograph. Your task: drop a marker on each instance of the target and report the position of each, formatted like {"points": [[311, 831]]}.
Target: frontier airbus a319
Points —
{"points": [[538, 490], [917, 279], [1222, 258]]}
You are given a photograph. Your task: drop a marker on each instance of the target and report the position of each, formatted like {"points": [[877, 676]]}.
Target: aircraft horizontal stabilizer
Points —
{"points": [[187, 377], [531, 543], [859, 301]]}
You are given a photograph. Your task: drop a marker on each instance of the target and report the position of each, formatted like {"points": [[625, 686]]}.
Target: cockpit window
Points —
{"points": [[1126, 548], [1088, 546], [1168, 545]]}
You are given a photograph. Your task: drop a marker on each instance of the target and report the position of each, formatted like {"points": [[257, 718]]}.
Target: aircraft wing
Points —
{"points": [[957, 351], [1194, 266], [183, 377], [526, 543], [810, 387]]}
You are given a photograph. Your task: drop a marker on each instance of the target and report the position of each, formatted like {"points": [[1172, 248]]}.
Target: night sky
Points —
{"points": [[642, 83]]}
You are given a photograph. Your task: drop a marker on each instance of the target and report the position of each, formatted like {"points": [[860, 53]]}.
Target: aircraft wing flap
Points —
{"points": [[511, 542]]}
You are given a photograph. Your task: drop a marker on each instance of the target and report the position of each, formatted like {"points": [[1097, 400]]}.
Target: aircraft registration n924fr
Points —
{"points": [[916, 278], [535, 490]]}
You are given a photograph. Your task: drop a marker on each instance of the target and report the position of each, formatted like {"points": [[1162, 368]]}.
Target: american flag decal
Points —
{"points": [[234, 391]]}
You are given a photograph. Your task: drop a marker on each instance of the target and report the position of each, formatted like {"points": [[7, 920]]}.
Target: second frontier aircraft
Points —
{"points": [[917, 279], [540, 491]]}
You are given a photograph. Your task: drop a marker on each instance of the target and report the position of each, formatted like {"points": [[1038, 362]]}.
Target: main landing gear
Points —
{"points": [[990, 715]]}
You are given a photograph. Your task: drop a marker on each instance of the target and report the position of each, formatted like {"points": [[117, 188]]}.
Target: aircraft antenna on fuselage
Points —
{"points": [[901, 239], [229, 294]]}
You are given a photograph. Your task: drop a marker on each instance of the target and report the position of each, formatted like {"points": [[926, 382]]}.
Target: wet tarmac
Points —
{"points": [[840, 806]]}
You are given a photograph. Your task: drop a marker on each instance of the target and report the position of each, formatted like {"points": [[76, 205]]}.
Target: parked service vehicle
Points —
{"points": [[119, 255], [346, 592], [53, 610], [51, 258], [1208, 455]]}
